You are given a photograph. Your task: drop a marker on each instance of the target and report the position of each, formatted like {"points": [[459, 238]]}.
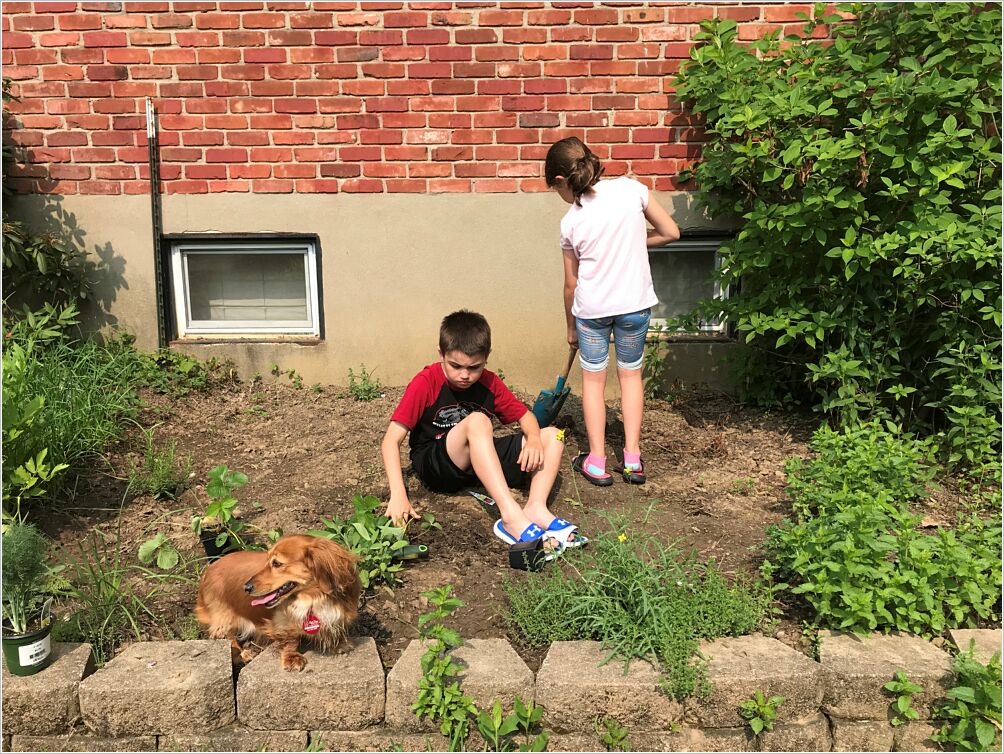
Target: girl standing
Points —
{"points": [[608, 287]]}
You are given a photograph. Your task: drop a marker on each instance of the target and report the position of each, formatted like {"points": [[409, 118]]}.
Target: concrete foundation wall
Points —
{"points": [[391, 266]]}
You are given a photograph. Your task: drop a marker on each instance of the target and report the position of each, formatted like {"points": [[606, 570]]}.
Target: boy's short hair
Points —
{"points": [[467, 332]]}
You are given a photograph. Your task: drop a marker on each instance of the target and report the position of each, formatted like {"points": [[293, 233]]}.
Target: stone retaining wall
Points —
{"points": [[183, 696]]}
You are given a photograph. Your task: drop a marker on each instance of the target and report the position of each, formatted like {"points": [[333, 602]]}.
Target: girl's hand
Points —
{"points": [[573, 337]]}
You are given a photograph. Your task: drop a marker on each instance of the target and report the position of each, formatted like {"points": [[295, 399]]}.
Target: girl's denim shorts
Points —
{"points": [[629, 340]]}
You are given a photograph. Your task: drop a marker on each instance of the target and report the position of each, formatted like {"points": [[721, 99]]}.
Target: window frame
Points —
{"points": [[690, 242], [181, 246]]}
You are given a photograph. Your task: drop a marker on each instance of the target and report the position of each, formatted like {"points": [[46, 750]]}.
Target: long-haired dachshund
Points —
{"points": [[304, 587]]}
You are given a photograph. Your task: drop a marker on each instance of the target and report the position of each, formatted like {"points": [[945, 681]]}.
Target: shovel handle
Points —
{"points": [[563, 378], [571, 359]]}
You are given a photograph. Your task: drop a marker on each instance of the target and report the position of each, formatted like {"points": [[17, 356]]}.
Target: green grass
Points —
{"points": [[642, 599]]}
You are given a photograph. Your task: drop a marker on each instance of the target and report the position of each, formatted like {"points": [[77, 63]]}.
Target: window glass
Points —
{"points": [[232, 287]]}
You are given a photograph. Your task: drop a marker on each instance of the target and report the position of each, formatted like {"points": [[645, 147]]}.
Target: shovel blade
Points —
{"points": [[547, 406]]}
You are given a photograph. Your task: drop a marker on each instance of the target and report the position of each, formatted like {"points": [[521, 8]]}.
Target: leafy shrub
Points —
{"points": [[865, 460], [854, 551], [867, 176], [973, 710], [642, 599], [220, 515], [373, 538]]}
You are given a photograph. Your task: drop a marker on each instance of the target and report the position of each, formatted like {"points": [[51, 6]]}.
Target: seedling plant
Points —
{"points": [[614, 736], [219, 515], [903, 688], [760, 712]]}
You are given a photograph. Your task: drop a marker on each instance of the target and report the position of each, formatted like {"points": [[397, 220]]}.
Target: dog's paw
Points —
{"points": [[293, 661], [248, 654]]}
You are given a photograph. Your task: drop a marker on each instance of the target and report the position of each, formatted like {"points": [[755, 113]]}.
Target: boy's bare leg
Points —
{"points": [[543, 479], [470, 445]]}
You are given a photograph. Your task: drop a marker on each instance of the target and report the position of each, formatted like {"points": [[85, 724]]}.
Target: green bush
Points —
{"points": [[642, 599], [855, 553], [867, 460], [867, 177], [61, 397]]}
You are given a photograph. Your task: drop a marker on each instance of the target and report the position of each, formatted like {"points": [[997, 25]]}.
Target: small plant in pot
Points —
{"points": [[219, 526], [27, 620]]}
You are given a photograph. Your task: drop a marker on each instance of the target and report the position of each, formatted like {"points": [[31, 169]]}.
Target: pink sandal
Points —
{"points": [[578, 463]]}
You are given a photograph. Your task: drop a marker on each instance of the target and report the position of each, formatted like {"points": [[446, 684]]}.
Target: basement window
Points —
{"points": [[683, 273], [235, 287]]}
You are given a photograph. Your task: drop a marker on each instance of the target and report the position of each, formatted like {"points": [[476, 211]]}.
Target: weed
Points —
{"points": [[162, 474], [315, 743], [439, 694], [614, 736], [760, 712], [972, 713], [185, 628], [365, 387], [429, 523], [903, 688], [316, 388], [501, 732], [639, 597], [743, 486], [370, 536]]}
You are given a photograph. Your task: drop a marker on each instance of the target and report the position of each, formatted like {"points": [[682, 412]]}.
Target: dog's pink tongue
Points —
{"points": [[262, 600]]}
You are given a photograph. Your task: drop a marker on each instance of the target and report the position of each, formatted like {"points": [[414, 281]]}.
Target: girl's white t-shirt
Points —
{"points": [[608, 235]]}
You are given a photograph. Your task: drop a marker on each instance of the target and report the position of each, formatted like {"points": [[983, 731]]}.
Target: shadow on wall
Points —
{"points": [[53, 230]]}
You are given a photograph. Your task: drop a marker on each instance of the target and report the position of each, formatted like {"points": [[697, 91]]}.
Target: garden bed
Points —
{"points": [[716, 474]]}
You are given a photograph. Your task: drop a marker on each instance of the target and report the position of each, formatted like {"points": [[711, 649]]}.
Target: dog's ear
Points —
{"points": [[333, 568]]}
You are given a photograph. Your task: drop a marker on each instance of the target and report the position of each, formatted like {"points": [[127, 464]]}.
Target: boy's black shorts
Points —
{"points": [[439, 473]]}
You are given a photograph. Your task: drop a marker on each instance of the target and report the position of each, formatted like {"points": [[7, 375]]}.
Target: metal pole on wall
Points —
{"points": [[153, 154]]}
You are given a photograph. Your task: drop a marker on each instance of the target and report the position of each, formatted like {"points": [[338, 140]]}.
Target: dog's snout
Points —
{"points": [[249, 587]]}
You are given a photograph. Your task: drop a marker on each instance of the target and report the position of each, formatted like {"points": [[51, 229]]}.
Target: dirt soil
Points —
{"points": [[716, 480]]}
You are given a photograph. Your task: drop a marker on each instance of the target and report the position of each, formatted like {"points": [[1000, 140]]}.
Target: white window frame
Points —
{"points": [[187, 327], [719, 325]]}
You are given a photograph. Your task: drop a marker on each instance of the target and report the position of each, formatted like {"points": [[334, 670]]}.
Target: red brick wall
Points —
{"points": [[416, 97]]}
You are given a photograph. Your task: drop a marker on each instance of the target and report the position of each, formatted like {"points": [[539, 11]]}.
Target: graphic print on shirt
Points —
{"points": [[447, 417]]}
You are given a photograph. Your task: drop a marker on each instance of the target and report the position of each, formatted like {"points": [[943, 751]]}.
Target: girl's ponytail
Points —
{"points": [[572, 159]]}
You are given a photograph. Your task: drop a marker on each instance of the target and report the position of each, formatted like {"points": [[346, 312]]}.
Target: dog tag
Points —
{"points": [[312, 624]]}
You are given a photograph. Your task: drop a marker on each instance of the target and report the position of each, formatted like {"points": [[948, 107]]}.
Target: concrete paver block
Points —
{"points": [[862, 735], [343, 691], [739, 667], [812, 734], [987, 640], [915, 736], [46, 703], [235, 738], [161, 687], [576, 688], [492, 670], [82, 742], [380, 739], [717, 739], [856, 668]]}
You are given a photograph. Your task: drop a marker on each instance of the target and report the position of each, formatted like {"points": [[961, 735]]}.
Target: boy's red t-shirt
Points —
{"points": [[430, 407]]}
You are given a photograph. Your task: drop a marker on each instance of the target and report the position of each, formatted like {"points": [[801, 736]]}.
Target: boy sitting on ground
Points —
{"points": [[448, 408]]}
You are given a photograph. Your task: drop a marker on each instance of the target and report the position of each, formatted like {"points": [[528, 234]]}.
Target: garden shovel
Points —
{"points": [[549, 402]]}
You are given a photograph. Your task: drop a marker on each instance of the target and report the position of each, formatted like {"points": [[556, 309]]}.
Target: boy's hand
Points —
{"points": [[399, 511], [531, 457]]}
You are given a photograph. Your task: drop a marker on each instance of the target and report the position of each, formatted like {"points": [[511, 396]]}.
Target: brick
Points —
{"points": [[311, 20], [346, 689], [33, 23], [53, 39], [450, 19], [159, 687], [524, 36], [476, 36], [125, 21], [492, 670], [916, 736], [857, 667], [81, 741], [572, 684], [866, 735], [500, 18], [987, 641], [811, 734], [47, 703], [744, 13], [362, 186], [105, 39], [739, 667], [393, 20]]}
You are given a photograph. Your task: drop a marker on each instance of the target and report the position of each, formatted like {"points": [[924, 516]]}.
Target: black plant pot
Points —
{"points": [[214, 551]]}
